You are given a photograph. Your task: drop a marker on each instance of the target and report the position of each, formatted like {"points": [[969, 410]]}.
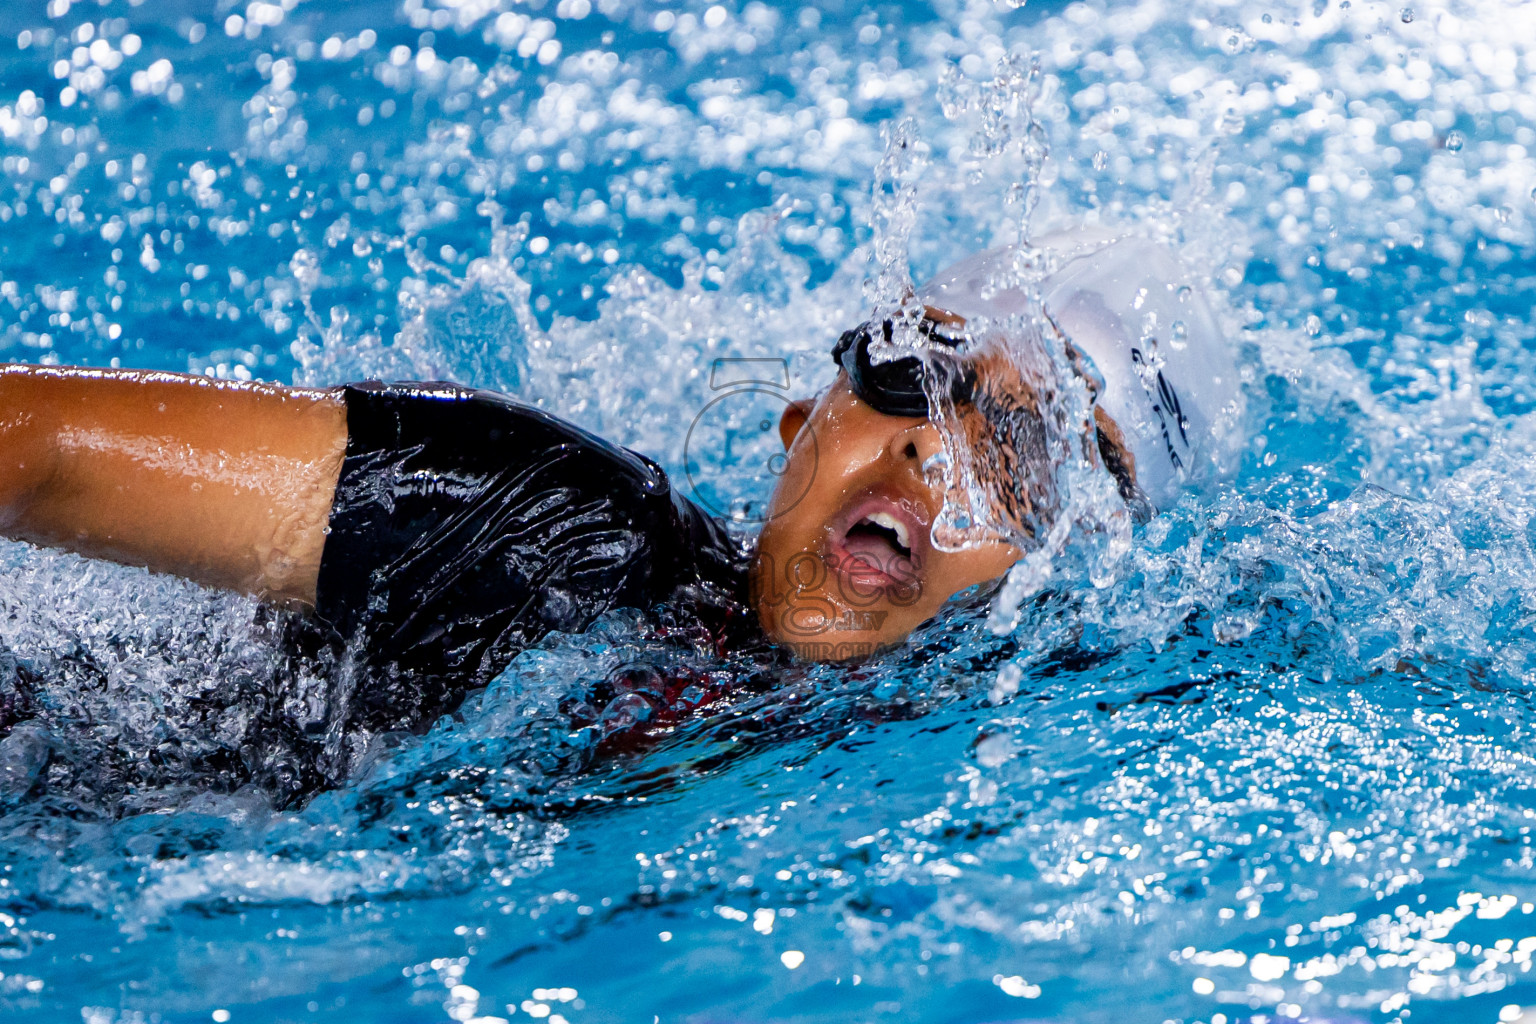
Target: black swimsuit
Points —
{"points": [[466, 526]]}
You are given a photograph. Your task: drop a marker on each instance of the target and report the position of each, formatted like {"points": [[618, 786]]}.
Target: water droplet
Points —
{"points": [[1010, 675], [1454, 141], [1407, 15], [994, 747], [1178, 335], [1314, 325], [983, 792], [1266, 19], [958, 520], [1185, 293]]}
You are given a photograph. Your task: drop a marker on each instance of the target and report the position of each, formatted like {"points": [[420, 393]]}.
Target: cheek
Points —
{"points": [[786, 559], [794, 514], [796, 481]]}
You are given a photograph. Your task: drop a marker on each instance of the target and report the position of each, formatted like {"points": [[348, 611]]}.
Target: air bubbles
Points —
{"points": [[1178, 335], [1406, 15]]}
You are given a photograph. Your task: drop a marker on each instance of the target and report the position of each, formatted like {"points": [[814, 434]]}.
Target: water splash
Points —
{"points": [[1279, 765], [1019, 464], [1007, 139]]}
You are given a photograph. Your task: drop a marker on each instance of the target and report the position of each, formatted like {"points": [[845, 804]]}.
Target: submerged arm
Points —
{"points": [[228, 483]]}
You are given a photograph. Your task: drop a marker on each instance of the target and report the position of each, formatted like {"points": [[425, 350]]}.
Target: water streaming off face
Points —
{"points": [[1272, 759]]}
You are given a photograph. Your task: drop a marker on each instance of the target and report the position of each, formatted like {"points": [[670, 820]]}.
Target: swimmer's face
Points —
{"points": [[848, 568]]}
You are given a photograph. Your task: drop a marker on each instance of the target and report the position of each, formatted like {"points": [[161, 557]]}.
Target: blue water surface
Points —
{"points": [[1278, 766]]}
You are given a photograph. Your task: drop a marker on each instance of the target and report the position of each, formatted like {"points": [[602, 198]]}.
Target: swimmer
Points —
{"points": [[432, 531], [1166, 412]]}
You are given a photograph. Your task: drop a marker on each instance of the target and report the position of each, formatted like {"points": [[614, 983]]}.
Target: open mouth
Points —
{"points": [[881, 535], [883, 542]]}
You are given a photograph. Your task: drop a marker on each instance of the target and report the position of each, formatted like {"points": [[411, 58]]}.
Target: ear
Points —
{"points": [[795, 415]]}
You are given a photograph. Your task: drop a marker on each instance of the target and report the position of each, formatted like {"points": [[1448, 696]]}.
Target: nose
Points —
{"points": [[917, 444]]}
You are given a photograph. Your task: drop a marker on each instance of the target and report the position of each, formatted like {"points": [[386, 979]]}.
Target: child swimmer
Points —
{"points": [[433, 531]]}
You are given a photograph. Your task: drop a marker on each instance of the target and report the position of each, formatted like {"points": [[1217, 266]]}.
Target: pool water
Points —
{"points": [[1275, 762]]}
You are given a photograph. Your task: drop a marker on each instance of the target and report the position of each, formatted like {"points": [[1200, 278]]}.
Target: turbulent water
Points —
{"points": [[1273, 760]]}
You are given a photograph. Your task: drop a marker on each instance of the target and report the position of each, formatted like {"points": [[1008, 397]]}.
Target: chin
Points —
{"points": [[817, 629]]}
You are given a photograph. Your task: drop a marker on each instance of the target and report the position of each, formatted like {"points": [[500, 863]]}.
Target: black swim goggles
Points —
{"points": [[895, 388]]}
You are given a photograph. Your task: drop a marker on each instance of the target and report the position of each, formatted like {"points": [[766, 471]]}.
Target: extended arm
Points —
{"points": [[227, 483]]}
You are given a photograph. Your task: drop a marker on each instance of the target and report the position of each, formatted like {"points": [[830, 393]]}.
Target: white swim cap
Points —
{"points": [[1131, 306]]}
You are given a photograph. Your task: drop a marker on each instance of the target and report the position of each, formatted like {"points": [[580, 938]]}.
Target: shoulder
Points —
{"points": [[458, 422]]}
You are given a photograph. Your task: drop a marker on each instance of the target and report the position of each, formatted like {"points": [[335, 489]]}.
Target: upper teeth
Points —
{"points": [[890, 522]]}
